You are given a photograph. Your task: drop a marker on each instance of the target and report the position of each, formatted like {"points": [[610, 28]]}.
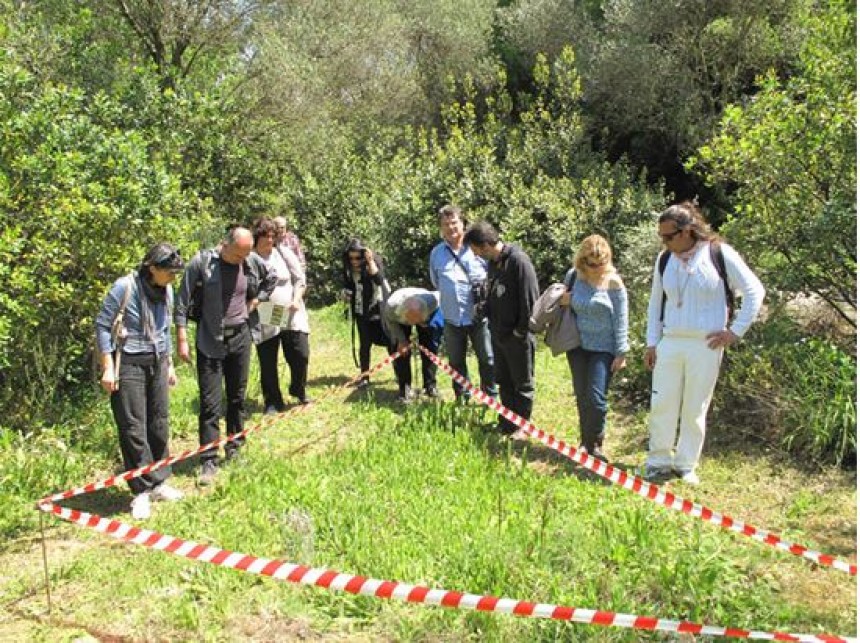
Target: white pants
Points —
{"points": [[682, 387]]}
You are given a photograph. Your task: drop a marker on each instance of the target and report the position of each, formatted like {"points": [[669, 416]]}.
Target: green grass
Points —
{"points": [[425, 495]]}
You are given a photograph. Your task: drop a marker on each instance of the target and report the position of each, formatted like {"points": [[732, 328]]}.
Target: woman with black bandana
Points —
{"points": [[133, 333]]}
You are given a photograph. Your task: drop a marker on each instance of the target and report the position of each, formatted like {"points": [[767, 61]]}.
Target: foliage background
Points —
{"points": [[123, 123]]}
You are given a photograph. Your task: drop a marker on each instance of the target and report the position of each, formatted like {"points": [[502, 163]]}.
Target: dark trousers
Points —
{"points": [[141, 410], [591, 372], [369, 331], [297, 353], [457, 340], [515, 375], [430, 337], [233, 369]]}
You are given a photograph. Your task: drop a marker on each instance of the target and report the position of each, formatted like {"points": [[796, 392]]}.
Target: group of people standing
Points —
{"points": [[485, 295], [221, 291], [487, 292]]}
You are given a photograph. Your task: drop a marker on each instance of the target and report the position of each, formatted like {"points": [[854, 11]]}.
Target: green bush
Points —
{"points": [[80, 200], [531, 172], [798, 390]]}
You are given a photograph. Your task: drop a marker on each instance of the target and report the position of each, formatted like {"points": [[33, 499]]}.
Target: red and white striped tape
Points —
{"points": [[409, 593], [645, 489], [360, 585], [136, 473]]}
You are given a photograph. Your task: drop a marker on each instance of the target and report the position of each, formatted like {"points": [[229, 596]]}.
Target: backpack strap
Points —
{"points": [[719, 262], [661, 266], [130, 286]]}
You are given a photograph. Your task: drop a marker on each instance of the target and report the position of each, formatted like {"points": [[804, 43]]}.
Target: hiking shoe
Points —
{"points": [[141, 509], [231, 452], [304, 400], [208, 471], [597, 454], [364, 382], [690, 477], [431, 391], [405, 395], [654, 474], [165, 492], [271, 410]]}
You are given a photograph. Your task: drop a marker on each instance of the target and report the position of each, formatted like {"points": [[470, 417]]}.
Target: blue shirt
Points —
{"points": [[601, 316], [136, 341], [452, 282]]}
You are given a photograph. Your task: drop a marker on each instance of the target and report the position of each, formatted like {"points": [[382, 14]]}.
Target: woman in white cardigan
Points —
{"points": [[688, 330]]}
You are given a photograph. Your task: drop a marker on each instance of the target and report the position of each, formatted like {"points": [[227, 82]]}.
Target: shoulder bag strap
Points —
{"points": [[459, 262], [719, 262]]}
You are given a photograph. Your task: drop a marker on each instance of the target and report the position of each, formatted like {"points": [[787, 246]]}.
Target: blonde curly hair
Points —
{"points": [[594, 251]]}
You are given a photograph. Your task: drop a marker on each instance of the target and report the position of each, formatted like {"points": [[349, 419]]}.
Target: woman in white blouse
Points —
{"points": [[688, 330], [292, 335]]}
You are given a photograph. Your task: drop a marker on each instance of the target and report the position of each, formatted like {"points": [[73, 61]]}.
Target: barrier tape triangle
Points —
{"points": [[328, 579]]}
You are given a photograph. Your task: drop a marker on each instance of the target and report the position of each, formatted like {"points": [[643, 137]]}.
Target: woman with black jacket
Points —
{"points": [[364, 288]]}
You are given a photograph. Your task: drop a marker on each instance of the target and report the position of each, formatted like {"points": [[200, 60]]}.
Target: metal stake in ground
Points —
{"points": [[45, 563]]}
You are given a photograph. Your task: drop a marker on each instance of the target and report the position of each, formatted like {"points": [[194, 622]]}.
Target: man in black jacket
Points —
{"points": [[513, 290], [228, 283]]}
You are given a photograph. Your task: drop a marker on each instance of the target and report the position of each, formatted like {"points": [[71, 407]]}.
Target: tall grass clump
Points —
{"points": [[47, 460], [797, 390]]}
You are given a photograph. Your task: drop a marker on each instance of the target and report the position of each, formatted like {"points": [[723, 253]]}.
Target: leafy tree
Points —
{"points": [[792, 153], [533, 174], [657, 74], [178, 34], [80, 200]]}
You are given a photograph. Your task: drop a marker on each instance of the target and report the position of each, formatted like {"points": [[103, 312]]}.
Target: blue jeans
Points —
{"points": [[591, 372], [457, 344]]}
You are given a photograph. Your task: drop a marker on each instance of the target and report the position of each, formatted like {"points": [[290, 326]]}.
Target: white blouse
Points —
{"points": [[695, 297]]}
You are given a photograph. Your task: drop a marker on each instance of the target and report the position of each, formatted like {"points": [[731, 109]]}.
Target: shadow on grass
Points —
{"points": [[328, 380], [105, 502], [115, 500], [486, 436]]}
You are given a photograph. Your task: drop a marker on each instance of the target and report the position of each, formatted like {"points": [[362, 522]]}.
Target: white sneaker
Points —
{"points": [[690, 477], [140, 507], [165, 492], [520, 435]]}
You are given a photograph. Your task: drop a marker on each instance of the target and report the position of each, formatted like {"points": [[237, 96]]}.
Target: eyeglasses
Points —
{"points": [[669, 235]]}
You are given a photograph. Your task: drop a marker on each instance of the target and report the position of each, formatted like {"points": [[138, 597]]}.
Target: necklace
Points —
{"points": [[688, 270]]}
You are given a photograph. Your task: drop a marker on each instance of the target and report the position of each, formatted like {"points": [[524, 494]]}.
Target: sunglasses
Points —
{"points": [[172, 262], [669, 235]]}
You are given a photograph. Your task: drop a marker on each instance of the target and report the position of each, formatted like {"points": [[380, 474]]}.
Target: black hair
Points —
{"points": [[162, 255], [481, 233]]}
